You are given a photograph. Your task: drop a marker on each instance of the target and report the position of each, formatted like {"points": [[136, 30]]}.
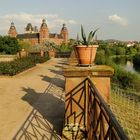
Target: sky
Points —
{"points": [[116, 19]]}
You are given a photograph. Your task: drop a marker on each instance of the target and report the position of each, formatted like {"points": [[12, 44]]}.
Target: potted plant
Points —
{"points": [[86, 49]]}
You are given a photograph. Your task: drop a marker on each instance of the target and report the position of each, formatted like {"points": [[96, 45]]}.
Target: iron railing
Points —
{"points": [[87, 111]]}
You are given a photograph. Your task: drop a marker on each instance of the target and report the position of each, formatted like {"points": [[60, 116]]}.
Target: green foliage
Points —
{"points": [[51, 46], [120, 51], [100, 57], [136, 59], [118, 48], [24, 45], [19, 65], [131, 50], [89, 40], [103, 45], [122, 77], [38, 59], [137, 47], [8, 45], [65, 48]]}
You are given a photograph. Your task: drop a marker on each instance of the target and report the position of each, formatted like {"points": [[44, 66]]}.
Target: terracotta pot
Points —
{"points": [[86, 55]]}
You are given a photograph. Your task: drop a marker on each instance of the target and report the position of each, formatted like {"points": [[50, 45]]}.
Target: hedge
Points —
{"points": [[18, 65]]}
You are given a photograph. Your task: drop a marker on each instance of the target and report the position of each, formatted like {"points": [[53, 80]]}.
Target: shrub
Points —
{"points": [[136, 59], [38, 59], [100, 57], [19, 65]]}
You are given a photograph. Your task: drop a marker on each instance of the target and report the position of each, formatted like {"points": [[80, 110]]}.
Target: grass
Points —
{"points": [[127, 111]]}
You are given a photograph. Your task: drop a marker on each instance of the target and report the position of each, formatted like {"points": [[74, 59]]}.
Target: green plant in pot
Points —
{"points": [[85, 48]]}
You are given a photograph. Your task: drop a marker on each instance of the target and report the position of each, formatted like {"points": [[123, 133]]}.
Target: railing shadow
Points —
{"points": [[36, 127], [55, 81], [46, 119], [56, 71]]}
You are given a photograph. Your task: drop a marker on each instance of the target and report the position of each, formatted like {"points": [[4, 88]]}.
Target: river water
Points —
{"points": [[127, 64]]}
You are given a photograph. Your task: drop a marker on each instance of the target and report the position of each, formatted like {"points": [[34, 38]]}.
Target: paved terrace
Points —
{"points": [[32, 103]]}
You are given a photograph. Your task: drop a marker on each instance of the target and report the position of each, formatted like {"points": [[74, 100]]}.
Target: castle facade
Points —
{"points": [[35, 37]]}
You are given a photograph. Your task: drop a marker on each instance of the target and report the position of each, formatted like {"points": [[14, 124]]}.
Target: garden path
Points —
{"points": [[31, 96]]}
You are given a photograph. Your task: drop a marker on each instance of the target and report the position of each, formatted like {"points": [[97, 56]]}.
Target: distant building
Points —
{"points": [[35, 36], [131, 44]]}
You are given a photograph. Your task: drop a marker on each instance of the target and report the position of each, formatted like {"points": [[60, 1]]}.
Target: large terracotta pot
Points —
{"points": [[86, 54]]}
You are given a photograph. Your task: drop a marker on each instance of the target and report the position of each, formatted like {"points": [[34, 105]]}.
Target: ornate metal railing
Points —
{"points": [[88, 116]]}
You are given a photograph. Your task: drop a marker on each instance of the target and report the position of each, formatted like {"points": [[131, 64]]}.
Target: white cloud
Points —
{"points": [[72, 21], [21, 20], [61, 21], [118, 19]]}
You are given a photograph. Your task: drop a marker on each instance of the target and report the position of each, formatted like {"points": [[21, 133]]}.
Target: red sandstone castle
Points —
{"points": [[39, 37]]}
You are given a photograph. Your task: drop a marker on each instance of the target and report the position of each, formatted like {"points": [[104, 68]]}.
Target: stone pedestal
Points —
{"points": [[99, 74]]}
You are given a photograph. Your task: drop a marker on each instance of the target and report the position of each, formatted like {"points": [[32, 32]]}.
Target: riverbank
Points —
{"points": [[123, 78]]}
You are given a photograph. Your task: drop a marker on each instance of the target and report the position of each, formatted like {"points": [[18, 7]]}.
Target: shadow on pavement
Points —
{"points": [[55, 81], [46, 119], [56, 71]]}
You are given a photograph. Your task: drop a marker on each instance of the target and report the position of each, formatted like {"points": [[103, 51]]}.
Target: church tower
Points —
{"points": [[44, 32], [64, 33], [12, 31]]}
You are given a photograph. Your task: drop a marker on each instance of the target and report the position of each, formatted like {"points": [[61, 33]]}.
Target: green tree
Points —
{"points": [[24, 45], [120, 51], [8, 45]]}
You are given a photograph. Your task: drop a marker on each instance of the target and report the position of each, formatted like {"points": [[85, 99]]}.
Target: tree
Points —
{"points": [[8, 45], [24, 45], [120, 51]]}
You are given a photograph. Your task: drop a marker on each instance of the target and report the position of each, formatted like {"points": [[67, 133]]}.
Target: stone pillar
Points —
{"points": [[99, 74], [42, 53]]}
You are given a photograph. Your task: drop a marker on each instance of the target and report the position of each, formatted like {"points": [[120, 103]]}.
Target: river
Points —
{"points": [[127, 64]]}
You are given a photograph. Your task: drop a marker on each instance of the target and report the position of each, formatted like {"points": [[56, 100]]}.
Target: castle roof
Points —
{"points": [[27, 36], [29, 27], [52, 35], [43, 23], [36, 35], [64, 27], [12, 26]]}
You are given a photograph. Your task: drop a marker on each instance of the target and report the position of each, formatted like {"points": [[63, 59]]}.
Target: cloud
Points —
{"points": [[118, 19], [21, 20], [72, 21], [61, 21]]}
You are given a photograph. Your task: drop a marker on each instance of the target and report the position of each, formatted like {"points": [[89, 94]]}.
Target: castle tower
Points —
{"points": [[44, 32], [64, 33], [12, 31], [29, 28]]}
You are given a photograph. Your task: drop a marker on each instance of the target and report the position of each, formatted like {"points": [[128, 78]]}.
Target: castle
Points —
{"points": [[39, 37]]}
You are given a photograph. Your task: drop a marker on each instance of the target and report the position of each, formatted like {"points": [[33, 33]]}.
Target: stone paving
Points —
{"points": [[28, 109]]}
